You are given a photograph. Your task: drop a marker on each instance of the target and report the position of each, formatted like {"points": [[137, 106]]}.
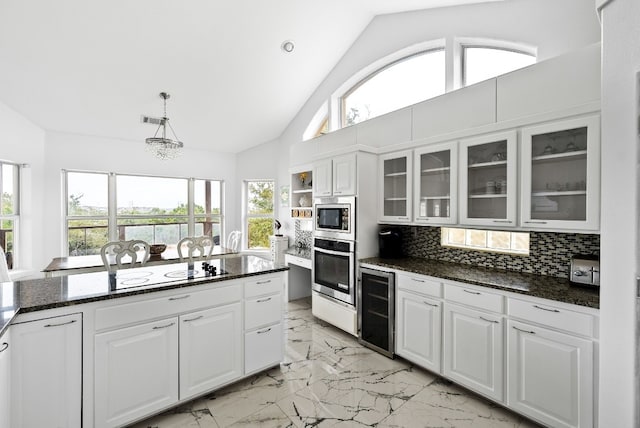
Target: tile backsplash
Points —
{"points": [[549, 253], [303, 238]]}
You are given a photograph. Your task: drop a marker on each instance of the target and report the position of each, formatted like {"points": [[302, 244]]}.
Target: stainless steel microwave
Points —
{"points": [[335, 217]]}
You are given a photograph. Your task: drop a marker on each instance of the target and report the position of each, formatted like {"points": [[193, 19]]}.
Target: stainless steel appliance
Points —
{"points": [[335, 218], [376, 310], [585, 270], [333, 267]]}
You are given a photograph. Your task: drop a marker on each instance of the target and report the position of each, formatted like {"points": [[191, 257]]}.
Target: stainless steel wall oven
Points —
{"points": [[333, 267]]}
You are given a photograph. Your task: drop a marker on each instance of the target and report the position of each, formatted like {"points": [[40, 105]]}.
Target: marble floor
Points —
{"points": [[327, 379]]}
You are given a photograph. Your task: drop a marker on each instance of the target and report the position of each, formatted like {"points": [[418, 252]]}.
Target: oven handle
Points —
{"points": [[335, 253]]}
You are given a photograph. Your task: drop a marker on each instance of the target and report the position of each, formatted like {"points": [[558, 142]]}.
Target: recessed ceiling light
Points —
{"points": [[287, 46]]}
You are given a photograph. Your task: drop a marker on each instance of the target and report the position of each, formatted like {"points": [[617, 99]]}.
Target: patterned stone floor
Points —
{"points": [[327, 379]]}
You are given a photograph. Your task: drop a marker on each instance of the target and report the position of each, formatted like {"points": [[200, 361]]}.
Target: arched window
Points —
{"points": [[402, 83], [482, 62]]}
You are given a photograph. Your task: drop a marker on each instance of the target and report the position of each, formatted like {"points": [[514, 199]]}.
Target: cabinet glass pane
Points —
{"points": [[559, 175], [435, 184], [487, 180], [395, 187]]}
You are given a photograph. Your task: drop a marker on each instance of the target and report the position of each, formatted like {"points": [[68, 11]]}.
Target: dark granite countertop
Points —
{"points": [[546, 287], [304, 252], [48, 293]]}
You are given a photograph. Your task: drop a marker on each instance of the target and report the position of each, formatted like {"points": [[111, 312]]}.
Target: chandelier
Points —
{"points": [[162, 147]]}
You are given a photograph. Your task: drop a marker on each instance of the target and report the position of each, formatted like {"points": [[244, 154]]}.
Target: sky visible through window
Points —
{"points": [[484, 63]]}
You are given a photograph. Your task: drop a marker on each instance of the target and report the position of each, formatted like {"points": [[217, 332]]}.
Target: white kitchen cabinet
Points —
{"points": [[263, 348], [322, 177], [394, 184], [335, 176], [473, 349], [210, 349], [561, 175], [136, 371], [419, 329], [6, 346], [488, 177], [550, 376], [46, 372], [435, 199]]}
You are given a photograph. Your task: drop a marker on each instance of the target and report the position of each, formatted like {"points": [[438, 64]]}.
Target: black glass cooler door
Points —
{"points": [[376, 309]]}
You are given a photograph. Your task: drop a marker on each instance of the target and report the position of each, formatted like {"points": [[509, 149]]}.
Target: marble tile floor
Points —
{"points": [[328, 379]]}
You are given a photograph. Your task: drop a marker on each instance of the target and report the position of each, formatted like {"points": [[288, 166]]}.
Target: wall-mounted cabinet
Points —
{"points": [[561, 175], [335, 176], [395, 185], [301, 198], [488, 175], [435, 196]]}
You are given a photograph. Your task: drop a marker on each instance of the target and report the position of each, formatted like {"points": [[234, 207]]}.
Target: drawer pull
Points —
{"points": [[266, 330], [263, 282], [193, 319], [430, 304], [524, 331], [488, 320], [263, 300], [158, 327], [179, 298], [61, 324], [545, 309], [417, 280], [477, 293], [5, 345]]}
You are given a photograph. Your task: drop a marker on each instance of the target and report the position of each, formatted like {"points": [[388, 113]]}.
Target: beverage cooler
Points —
{"points": [[376, 310]]}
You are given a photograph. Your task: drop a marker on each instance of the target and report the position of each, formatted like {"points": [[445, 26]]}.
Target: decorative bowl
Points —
{"points": [[157, 249]]}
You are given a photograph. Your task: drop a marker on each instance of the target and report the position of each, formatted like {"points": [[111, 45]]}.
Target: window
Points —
{"points": [[153, 209], [259, 216], [399, 84], [486, 240], [9, 209], [481, 63]]}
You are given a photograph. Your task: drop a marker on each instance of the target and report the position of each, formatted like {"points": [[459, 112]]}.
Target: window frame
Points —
{"points": [[246, 216], [17, 209], [113, 217], [499, 47], [512, 251]]}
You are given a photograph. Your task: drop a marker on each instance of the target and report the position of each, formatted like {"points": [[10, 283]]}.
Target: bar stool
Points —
{"points": [[119, 251], [195, 248]]}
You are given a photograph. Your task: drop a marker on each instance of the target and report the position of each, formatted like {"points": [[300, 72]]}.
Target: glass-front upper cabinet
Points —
{"points": [[395, 187], [435, 199], [561, 175], [488, 177]]}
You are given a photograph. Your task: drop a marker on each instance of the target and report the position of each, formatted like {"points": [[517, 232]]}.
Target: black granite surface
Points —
{"points": [[304, 252], [546, 287], [48, 293]]}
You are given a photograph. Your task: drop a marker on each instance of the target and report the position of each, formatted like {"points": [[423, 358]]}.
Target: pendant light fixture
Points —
{"points": [[162, 146]]}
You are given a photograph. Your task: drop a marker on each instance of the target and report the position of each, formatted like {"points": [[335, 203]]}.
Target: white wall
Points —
{"points": [[23, 142], [81, 152], [619, 230]]}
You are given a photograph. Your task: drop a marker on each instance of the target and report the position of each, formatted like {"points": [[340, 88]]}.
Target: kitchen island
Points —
{"points": [[105, 351]]}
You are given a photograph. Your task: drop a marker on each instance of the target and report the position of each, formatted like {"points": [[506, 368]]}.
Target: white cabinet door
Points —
{"points": [[394, 184], [263, 348], [473, 347], [561, 175], [418, 334], [435, 199], [210, 349], [46, 373], [136, 371], [488, 180], [550, 376], [322, 178], [6, 346], [344, 175]]}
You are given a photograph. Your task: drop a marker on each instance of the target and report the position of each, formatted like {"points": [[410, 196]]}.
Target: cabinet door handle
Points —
{"points": [[536, 222], [266, 330], [477, 293], [193, 319], [403, 218], [179, 298], [263, 282], [503, 221], [158, 327], [488, 320], [545, 309], [263, 300], [5, 345], [524, 331], [60, 324], [430, 304]]}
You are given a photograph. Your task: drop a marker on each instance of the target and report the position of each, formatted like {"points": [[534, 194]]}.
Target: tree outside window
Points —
{"points": [[259, 213]]}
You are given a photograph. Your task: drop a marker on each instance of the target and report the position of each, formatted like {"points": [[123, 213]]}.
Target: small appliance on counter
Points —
{"points": [[390, 243], [585, 270]]}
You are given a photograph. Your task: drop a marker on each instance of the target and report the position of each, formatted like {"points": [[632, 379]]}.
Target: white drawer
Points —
{"points": [[298, 261], [262, 285], [187, 300], [549, 315], [262, 311], [471, 296], [419, 284], [263, 348]]}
